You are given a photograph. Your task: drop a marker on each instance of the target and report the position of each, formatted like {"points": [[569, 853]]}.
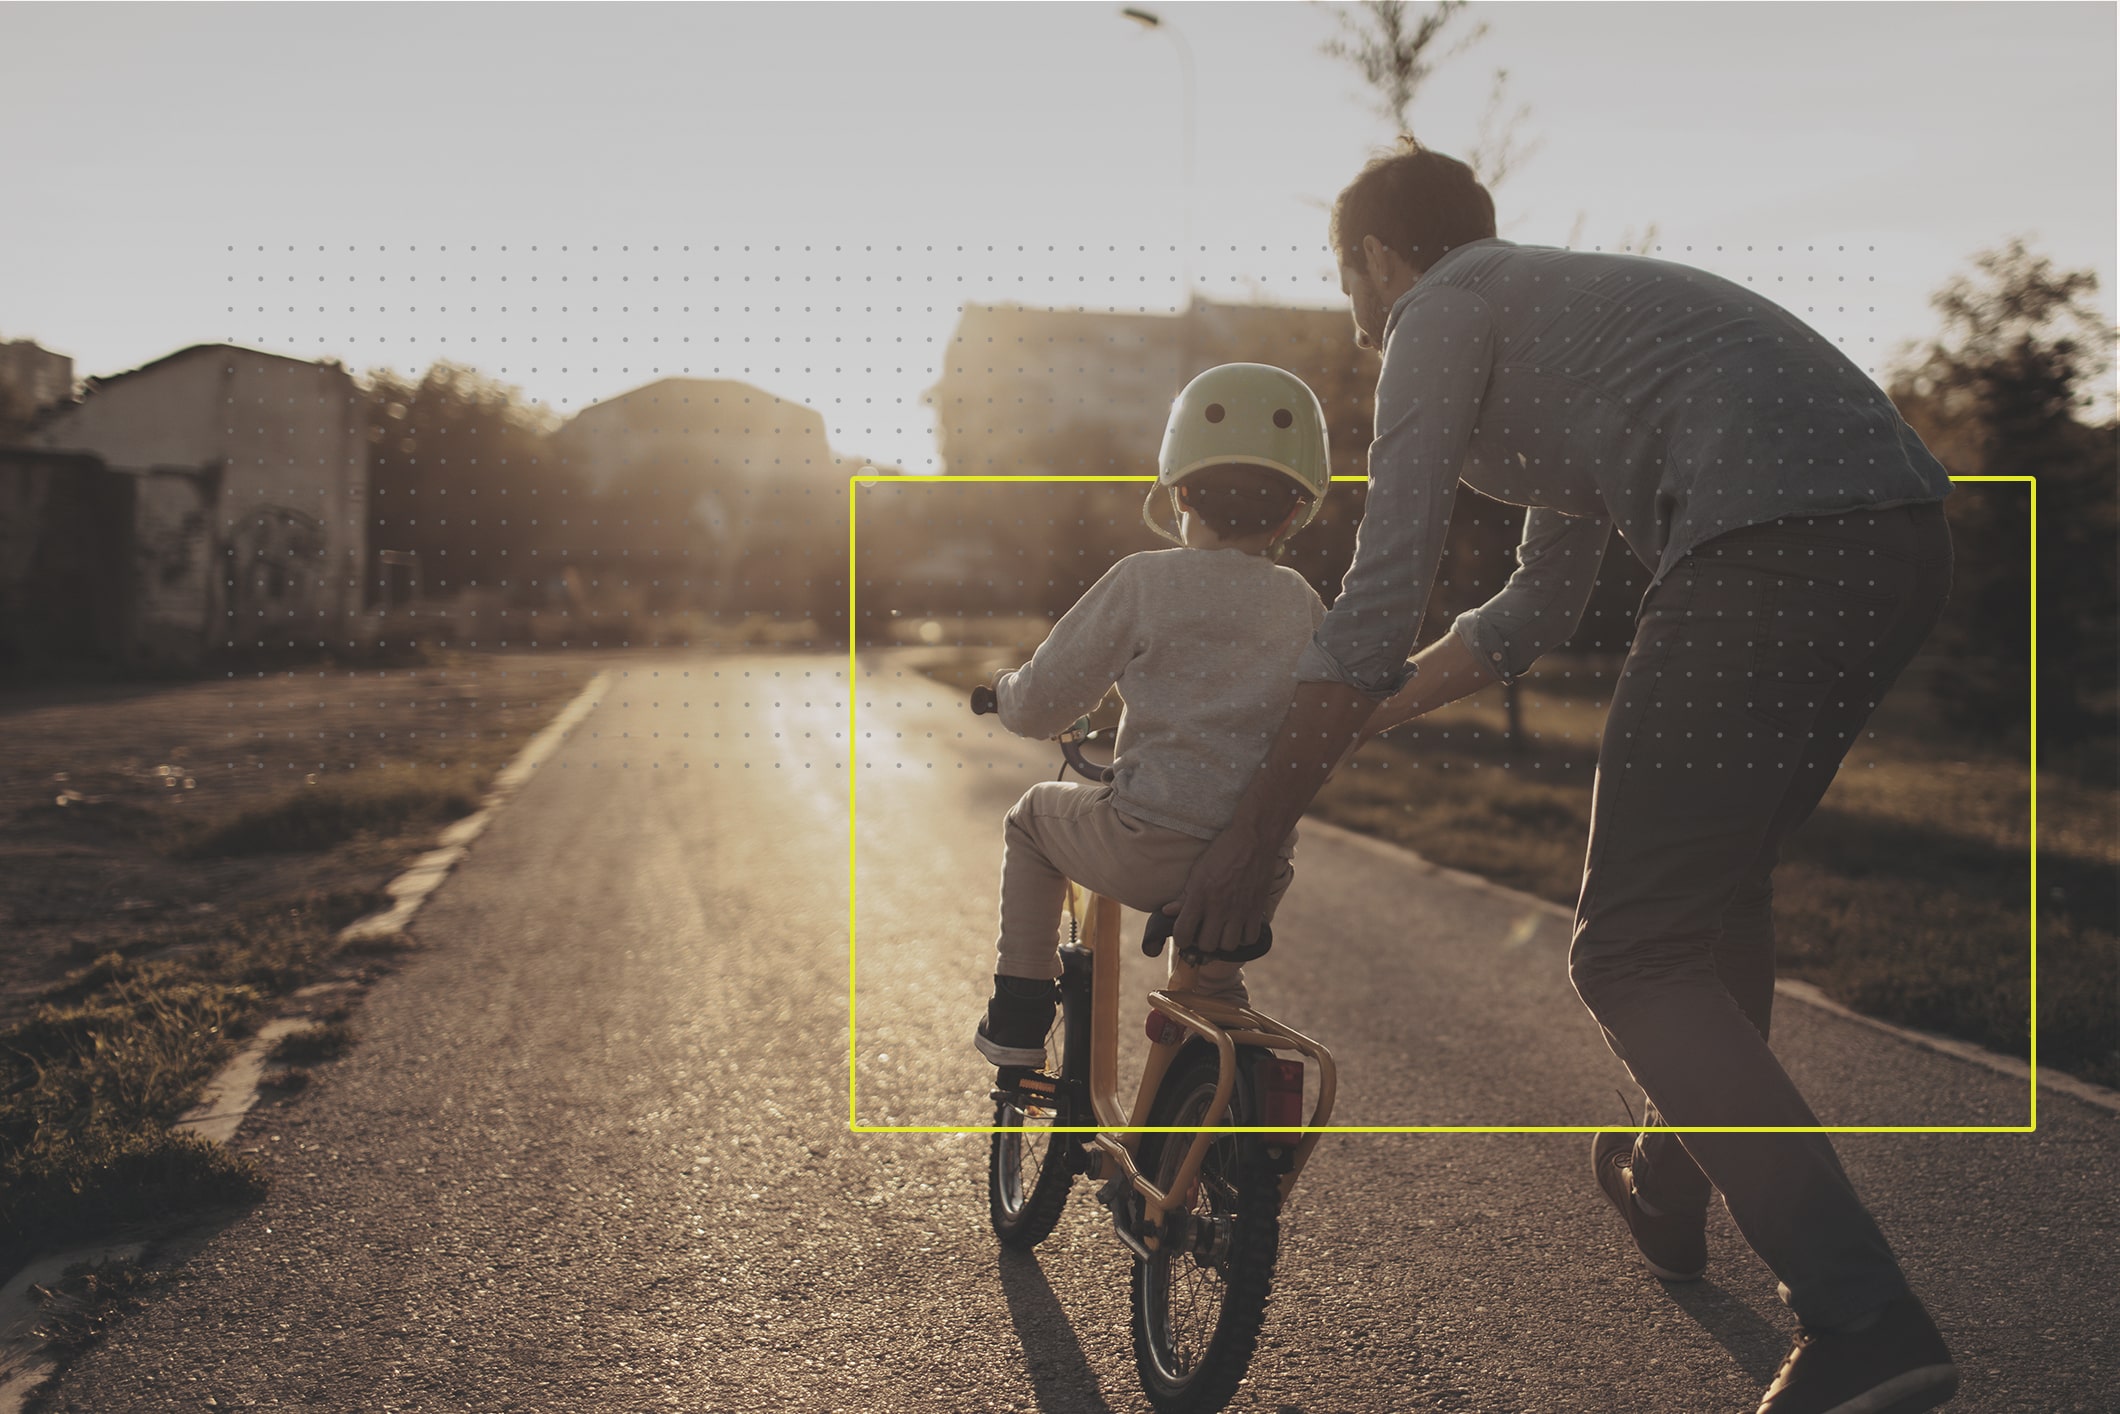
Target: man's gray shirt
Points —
{"points": [[1600, 391]]}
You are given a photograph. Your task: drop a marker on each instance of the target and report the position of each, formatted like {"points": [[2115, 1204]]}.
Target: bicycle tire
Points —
{"points": [[1191, 1360], [1027, 1178]]}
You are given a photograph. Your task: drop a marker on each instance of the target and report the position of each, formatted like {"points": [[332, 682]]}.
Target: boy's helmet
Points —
{"points": [[1248, 414]]}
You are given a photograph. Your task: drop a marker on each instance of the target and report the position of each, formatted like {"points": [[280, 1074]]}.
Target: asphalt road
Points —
{"points": [[592, 1150]]}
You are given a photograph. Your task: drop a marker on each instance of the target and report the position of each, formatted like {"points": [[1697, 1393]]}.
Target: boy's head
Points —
{"points": [[1245, 449], [1238, 502]]}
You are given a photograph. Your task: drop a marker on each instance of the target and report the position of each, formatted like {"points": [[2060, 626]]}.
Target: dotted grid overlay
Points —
{"points": [[593, 450]]}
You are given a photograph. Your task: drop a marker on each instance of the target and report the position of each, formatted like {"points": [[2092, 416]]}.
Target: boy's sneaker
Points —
{"points": [[1898, 1364], [1674, 1245], [1018, 1016]]}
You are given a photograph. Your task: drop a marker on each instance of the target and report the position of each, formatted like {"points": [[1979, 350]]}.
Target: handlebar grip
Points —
{"points": [[1158, 933], [983, 702]]}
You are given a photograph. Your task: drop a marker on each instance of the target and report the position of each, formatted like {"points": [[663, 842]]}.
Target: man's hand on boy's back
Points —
{"points": [[1225, 895]]}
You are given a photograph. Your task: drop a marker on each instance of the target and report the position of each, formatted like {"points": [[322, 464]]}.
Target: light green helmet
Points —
{"points": [[1248, 414]]}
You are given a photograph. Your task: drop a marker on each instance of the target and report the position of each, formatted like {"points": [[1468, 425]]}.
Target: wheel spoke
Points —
{"points": [[1028, 1172], [1199, 1302]]}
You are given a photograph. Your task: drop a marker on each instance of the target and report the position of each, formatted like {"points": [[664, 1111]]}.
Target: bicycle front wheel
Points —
{"points": [[1200, 1302], [1028, 1173]]}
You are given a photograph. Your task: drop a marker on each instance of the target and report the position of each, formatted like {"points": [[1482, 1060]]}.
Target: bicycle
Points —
{"points": [[1194, 1172]]}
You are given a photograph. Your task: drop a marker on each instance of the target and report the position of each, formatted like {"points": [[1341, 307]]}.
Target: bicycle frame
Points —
{"points": [[1221, 1024]]}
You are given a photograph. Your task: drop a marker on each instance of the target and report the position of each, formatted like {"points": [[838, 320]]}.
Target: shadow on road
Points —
{"points": [[1753, 1343], [1061, 1376]]}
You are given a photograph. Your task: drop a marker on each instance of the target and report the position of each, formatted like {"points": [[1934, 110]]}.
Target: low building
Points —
{"points": [[249, 510], [713, 431], [31, 378], [1070, 393], [736, 492], [65, 560], [1054, 392]]}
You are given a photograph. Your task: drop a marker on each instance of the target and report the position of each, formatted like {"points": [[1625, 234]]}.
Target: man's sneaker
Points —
{"points": [[1018, 1016], [1675, 1245], [1896, 1365]]}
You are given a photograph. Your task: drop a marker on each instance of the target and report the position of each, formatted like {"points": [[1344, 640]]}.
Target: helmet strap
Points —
{"points": [[1148, 517]]}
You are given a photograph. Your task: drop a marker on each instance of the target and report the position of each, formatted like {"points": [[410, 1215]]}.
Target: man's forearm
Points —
{"points": [[1322, 724], [1444, 671]]}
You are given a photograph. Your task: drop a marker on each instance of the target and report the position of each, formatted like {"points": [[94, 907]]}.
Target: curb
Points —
{"points": [[2091, 1094], [410, 889], [233, 1092]]}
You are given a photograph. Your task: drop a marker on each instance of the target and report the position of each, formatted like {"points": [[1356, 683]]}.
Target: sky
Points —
{"points": [[581, 199]]}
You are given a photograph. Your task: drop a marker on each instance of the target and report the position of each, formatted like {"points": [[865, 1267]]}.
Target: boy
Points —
{"points": [[1202, 642]]}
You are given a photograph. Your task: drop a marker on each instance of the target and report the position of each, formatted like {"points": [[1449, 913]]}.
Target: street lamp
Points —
{"points": [[1149, 19]]}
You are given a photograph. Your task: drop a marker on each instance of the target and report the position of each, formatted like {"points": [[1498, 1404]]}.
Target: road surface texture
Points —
{"points": [[591, 1151]]}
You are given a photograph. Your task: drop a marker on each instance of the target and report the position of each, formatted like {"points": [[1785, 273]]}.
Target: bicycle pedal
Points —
{"points": [[1022, 1083]]}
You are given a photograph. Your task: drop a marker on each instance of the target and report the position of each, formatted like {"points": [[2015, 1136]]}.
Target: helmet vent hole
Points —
{"points": [[1282, 417], [1214, 412]]}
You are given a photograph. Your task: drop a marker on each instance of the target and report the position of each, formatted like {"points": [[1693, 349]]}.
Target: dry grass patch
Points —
{"points": [[318, 816], [174, 859]]}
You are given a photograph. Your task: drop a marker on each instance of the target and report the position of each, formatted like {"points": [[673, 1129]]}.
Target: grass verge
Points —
{"points": [[92, 1080], [335, 811], [175, 860]]}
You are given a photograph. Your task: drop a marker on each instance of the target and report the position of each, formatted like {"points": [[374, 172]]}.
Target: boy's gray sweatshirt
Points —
{"points": [[1203, 646]]}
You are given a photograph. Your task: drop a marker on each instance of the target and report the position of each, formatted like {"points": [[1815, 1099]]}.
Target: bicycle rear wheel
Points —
{"points": [[1028, 1174], [1198, 1305]]}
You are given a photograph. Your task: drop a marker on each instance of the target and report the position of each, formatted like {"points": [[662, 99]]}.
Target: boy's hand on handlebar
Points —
{"points": [[1225, 897]]}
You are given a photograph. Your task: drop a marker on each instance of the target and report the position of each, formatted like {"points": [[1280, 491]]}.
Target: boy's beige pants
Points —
{"points": [[1061, 830]]}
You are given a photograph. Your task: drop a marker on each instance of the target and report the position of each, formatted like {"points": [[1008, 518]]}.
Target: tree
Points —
{"points": [[2007, 389], [1388, 42], [1500, 147], [460, 478]]}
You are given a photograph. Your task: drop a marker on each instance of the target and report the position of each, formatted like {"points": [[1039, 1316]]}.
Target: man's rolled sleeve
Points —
{"points": [[1318, 665], [1437, 360], [1540, 606]]}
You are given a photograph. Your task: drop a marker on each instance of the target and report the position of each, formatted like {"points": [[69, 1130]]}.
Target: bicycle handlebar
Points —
{"points": [[984, 704], [1158, 933]]}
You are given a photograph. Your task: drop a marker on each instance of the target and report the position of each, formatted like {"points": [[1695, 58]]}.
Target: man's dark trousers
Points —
{"points": [[1755, 663]]}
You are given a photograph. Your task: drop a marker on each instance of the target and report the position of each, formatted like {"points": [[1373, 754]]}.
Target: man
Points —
{"points": [[1794, 527]]}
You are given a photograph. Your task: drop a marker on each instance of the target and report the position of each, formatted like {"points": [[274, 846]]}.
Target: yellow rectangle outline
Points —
{"points": [[855, 1126]]}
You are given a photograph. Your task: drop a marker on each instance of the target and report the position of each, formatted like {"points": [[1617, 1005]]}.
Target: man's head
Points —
{"points": [[1402, 213]]}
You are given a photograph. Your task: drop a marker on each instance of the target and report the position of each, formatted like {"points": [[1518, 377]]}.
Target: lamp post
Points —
{"points": [[1149, 19]]}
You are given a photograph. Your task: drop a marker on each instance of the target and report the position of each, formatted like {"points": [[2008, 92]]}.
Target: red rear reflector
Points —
{"points": [[1280, 1084], [1163, 1030]]}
